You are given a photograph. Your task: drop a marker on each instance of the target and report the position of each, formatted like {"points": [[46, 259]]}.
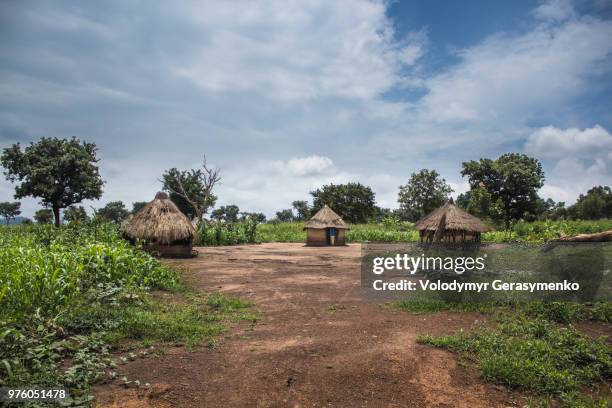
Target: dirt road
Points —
{"points": [[316, 343]]}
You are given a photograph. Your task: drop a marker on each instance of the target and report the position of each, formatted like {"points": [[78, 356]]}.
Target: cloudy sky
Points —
{"points": [[285, 96]]}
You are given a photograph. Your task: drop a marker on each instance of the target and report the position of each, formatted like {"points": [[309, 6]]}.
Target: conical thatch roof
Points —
{"points": [[325, 218], [159, 221], [452, 218]]}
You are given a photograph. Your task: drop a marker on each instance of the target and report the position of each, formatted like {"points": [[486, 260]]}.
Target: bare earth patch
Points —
{"points": [[316, 343]]}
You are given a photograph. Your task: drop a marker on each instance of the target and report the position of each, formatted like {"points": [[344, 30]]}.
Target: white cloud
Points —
{"points": [[555, 10], [308, 166], [553, 142], [507, 80], [297, 50]]}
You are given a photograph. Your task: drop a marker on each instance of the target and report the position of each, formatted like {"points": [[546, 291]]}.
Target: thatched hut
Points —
{"points": [[450, 224], [325, 228], [162, 227]]}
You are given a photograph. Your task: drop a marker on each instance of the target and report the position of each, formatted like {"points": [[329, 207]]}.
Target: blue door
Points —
{"points": [[332, 233]]}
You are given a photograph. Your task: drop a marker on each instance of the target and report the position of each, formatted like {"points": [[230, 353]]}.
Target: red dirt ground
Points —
{"points": [[303, 352]]}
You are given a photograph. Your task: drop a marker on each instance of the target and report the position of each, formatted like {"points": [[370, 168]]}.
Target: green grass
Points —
{"points": [[527, 349], [70, 296], [538, 231]]}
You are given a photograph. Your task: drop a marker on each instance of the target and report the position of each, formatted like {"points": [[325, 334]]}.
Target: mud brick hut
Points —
{"points": [[450, 224], [326, 228], [163, 228]]}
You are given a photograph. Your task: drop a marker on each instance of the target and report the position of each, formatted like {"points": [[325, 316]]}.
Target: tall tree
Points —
{"points": [[424, 192], [61, 172], [514, 179], [227, 213], [114, 211], [285, 215], [354, 202], [595, 204], [192, 190], [43, 216], [10, 211], [75, 214], [138, 205], [302, 210]]}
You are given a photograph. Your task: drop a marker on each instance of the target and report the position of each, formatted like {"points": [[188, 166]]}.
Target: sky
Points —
{"points": [[286, 96]]}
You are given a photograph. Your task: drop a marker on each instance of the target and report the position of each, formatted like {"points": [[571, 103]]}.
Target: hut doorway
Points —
{"points": [[330, 235]]}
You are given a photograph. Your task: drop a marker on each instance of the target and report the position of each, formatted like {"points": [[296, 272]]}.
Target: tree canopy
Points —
{"points": [[192, 190], [61, 172], [512, 181], [43, 216], [10, 211], [226, 213], [138, 205], [302, 210], [354, 202], [114, 211], [75, 214], [595, 204], [424, 192]]}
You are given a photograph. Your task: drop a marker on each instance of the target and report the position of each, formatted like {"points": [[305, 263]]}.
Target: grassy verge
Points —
{"points": [[534, 347], [71, 296]]}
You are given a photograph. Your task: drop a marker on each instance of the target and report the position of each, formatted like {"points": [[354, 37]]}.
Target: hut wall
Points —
{"points": [[341, 238], [316, 237], [179, 250]]}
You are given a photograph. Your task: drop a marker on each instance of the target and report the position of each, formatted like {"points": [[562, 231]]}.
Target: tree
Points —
{"points": [[61, 172], [513, 179], [227, 213], [354, 202], [138, 205], [595, 204], [424, 192], [43, 216], [285, 215], [302, 210], [114, 211], [75, 214], [191, 190], [259, 217], [480, 203], [10, 211]]}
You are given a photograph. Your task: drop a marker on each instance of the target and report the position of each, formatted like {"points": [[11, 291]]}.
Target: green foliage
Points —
{"points": [[285, 215], [223, 233], [226, 213], [424, 192], [595, 204], [43, 216], [547, 230], [528, 350], [68, 295], [60, 172], [354, 202], [113, 211], [9, 211], [138, 205], [301, 209], [75, 214], [513, 179], [190, 191]]}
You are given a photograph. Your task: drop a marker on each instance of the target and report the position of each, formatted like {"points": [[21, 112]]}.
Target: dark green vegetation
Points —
{"points": [[9, 211], [537, 348], [354, 202], [391, 230], [424, 192], [61, 172], [227, 233], [70, 296]]}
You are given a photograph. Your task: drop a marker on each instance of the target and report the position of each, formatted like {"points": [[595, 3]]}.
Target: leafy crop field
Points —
{"points": [[393, 231], [71, 294]]}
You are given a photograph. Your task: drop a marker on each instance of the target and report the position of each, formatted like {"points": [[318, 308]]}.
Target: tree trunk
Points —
{"points": [[56, 214]]}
